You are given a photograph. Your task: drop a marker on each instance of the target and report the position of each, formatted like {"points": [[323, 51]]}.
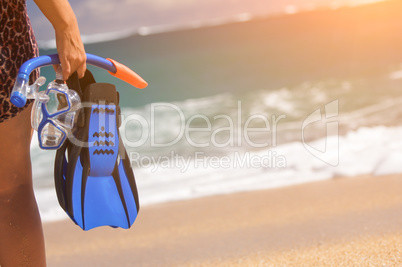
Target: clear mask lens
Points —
{"points": [[57, 103], [51, 136]]}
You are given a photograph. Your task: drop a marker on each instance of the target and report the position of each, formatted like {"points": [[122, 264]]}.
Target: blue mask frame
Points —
{"points": [[51, 118]]}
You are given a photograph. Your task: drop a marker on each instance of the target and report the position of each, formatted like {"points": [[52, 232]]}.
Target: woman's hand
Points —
{"points": [[71, 52], [68, 40]]}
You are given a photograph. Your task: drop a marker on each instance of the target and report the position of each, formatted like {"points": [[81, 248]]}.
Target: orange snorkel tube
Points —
{"points": [[126, 74]]}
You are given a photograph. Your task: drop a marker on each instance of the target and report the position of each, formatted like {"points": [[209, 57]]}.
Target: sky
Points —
{"points": [[126, 16]]}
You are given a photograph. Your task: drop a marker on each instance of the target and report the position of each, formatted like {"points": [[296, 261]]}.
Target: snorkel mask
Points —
{"points": [[55, 109], [54, 113]]}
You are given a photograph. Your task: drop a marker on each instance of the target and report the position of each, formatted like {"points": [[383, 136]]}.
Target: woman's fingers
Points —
{"points": [[81, 69], [71, 53], [65, 67]]}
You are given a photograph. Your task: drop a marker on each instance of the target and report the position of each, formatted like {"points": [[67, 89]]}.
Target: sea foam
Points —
{"points": [[374, 150]]}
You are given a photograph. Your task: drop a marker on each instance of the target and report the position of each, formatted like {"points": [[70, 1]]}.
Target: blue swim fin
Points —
{"points": [[94, 181]]}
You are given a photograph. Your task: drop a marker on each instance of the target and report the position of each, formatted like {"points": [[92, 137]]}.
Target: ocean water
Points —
{"points": [[171, 166], [253, 105], [101, 20]]}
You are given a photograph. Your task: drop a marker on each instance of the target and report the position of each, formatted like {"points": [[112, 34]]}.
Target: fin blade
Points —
{"points": [[103, 205]]}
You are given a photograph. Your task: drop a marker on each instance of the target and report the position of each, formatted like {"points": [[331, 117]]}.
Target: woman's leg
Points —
{"points": [[21, 235]]}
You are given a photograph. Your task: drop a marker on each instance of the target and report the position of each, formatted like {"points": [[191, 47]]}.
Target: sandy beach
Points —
{"points": [[343, 221]]}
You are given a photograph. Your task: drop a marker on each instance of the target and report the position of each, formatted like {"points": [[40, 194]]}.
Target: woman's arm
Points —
{"points": [[68, 40]]}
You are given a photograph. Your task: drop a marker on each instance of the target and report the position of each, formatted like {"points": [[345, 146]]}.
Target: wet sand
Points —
{"points": [[344, 221]]}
